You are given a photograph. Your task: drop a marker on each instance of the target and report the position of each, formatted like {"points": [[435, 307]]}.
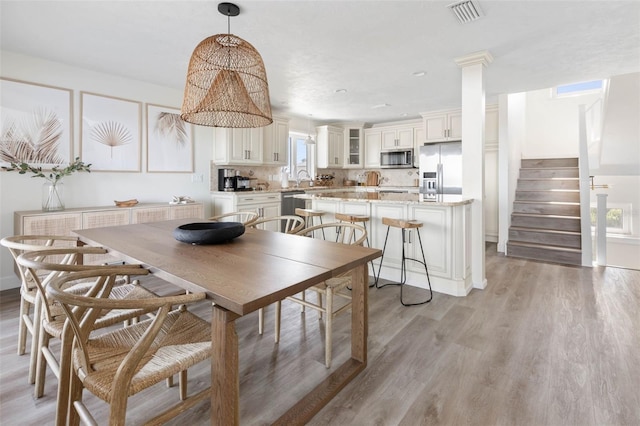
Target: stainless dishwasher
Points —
{"points": [[289, 204]]}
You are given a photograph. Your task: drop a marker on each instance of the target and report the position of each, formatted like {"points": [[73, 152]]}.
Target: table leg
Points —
{"points": [[320, 396], [225, 382], [359, 313]]}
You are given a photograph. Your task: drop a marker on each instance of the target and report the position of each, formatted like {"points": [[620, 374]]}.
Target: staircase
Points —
{"points": [[545, 223]]}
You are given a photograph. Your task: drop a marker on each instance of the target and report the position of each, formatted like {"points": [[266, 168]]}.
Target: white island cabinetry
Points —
{"points": [[445, 235]]}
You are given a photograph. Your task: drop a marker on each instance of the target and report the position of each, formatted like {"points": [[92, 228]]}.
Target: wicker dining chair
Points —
{"points": [[289, 224], [125, 361], [345, 233], [49, 318], [18, 244], [246, 218]]}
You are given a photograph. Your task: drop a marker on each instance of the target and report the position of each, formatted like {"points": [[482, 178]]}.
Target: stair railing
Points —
{"points": [[585, 187]]}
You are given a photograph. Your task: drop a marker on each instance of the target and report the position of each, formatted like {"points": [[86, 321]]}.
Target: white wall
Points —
{"points": [[21, 192], [491, 168], [513, 133], [552, 124], [622, 249], [539, 126], [620, 153]]}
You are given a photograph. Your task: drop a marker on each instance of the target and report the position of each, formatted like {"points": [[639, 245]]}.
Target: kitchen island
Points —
{"points": [[445, 233]]}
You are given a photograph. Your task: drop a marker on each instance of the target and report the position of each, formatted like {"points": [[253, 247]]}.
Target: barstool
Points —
{"points": [[308, 215], [403, 225], [359, 219]]}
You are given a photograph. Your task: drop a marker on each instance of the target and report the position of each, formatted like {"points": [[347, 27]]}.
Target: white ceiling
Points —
{"points": [[312, 48]]}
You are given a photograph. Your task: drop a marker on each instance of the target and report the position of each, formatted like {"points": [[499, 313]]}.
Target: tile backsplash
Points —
{"points": [[269, 176]]}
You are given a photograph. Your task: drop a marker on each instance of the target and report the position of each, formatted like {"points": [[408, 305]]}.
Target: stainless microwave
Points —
{"points": [[396, 158]]}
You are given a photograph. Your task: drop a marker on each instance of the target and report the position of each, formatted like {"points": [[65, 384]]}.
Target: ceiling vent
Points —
{"points": [[466, 11]]}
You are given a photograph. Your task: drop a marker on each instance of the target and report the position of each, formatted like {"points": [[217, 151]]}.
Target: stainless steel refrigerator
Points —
{"points": [[441, 168]]}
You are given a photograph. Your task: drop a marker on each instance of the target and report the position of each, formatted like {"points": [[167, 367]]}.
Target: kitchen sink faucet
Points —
{"points": [[299, 179]]}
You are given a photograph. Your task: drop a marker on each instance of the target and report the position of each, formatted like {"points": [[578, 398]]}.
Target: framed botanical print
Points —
{"points": [[111, 133], [169, 141], [36, 124]]}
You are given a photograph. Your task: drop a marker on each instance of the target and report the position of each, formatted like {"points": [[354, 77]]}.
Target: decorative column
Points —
{"points": [[473, 116]]}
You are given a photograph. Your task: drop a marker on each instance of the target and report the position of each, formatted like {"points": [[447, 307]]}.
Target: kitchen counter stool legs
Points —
{"points": [[359, 220], [404, 226], [308, 215]]}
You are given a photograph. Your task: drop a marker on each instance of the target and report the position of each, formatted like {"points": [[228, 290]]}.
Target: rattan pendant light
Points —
{"points": [[226, 82]]}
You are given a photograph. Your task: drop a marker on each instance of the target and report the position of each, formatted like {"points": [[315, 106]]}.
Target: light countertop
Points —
{"points": [[315, 189], [386, 197]]}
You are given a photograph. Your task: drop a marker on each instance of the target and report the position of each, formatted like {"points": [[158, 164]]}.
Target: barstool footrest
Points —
{"points": [[403, 269]]}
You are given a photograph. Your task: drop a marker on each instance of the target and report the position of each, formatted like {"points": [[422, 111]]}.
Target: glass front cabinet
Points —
{"points": [[354, 147]]}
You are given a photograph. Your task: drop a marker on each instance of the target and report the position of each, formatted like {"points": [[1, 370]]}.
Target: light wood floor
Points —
{"points": [[543, 344]]}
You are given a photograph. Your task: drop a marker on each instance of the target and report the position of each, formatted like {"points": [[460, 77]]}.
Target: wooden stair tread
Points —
{"points": [[545, 204], [549, 231], [550, 168], [545, 217], [550, 216], [544, 246], [547, 190], [549, 178]]}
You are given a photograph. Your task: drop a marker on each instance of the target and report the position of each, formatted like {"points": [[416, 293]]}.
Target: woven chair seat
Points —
{"points": [[44, 265], [121, 292], [123, 361], [18, 244], [335, 283], [346, 233], [185, 339]]}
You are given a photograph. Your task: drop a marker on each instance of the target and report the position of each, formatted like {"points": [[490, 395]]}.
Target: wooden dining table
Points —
{"points": [[240, 276]]}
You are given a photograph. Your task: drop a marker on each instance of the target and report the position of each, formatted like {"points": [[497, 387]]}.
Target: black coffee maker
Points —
{"points": [[227, 180]]}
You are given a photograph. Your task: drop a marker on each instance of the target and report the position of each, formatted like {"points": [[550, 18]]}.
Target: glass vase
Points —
{"points": [[52, 196]]}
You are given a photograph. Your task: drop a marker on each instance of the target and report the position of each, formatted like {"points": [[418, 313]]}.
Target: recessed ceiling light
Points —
{"points": [[380, 106], [404, 114], [419, 73], [341, 90]]}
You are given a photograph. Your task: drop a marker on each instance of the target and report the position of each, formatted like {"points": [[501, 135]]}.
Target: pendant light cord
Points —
{"points": [[228, 38]]}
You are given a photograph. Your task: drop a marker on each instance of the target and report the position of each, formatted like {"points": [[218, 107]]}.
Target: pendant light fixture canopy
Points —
{"points": [[226, 82]]}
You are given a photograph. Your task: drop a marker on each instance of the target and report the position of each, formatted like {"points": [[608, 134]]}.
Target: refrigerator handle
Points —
{"points": [[440, 180]]}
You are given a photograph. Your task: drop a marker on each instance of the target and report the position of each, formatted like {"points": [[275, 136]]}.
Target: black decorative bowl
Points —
{"points": [[208, 232]]}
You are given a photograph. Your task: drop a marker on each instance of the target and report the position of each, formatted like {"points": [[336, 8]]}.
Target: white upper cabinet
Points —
{"points": [[443, 126], [330, 147], [237, 146], [276, 140], [447, 125], [353, 148], [397, 137], [372, 146]]}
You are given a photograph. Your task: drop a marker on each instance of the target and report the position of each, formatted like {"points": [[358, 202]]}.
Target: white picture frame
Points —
{"points": [[110, 133], [169, 141], [36, 124]]}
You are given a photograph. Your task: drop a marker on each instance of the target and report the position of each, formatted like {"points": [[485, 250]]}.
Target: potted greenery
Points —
{"points": [[52, 190]]}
